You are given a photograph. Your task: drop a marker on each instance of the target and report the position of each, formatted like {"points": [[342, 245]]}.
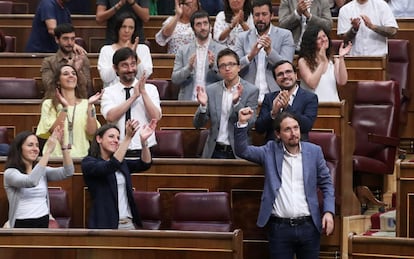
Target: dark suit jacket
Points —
{"points": [[99, 176], [270, 156], [304, 106]]}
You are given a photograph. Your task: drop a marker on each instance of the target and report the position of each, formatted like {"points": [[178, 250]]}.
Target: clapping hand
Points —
{"points": [[147, 130], [131, 127], [96, 97], [57, 136], [201, 95]]}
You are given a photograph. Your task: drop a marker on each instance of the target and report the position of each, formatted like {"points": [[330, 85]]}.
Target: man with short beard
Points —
{"points": [[291, 98], [261, 47], [195, 63], [65, 39], [129, 99]]}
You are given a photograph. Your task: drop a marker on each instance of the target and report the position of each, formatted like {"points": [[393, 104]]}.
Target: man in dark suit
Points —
{"points": [[291, 98], [294, 171]]}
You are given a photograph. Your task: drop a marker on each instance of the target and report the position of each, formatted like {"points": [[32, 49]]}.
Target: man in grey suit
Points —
{"points": [[261, 47], [296, 15], [294, 171], [220, 103], [194, 63]]}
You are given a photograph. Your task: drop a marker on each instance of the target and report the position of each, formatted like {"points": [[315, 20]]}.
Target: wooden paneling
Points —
{"points": [[97, 244]]}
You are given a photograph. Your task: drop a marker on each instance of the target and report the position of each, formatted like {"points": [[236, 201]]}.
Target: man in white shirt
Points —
{"points": [[293, 172], [194, 63], [220, 103], [130, 99], [261, 47], [368, 24]]}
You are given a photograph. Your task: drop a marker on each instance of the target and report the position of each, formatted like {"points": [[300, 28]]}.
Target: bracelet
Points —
{"points": [[69, 146], [64, 109], [145, 144], [353, 30]]}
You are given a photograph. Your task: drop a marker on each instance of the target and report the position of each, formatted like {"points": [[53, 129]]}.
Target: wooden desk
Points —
{"points": [[405, 199], [380, 247], [97, 244]]}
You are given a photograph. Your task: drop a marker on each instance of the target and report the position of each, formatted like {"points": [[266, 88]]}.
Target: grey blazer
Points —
{"points": [[184, 78], [283, 48], [215, 93], [321, 15]]}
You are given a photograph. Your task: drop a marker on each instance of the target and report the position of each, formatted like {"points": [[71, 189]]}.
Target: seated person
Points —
{"points": [[125, 37]]}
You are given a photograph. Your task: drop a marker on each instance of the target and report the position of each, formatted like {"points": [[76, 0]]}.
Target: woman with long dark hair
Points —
{"points": [[108, 176], [318, 71], [25, 181], [67, 105], [125, 36]]}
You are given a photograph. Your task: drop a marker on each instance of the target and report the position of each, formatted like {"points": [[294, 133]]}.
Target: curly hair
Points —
{"points": [[80, 92], [308, 45], [228, 12]]}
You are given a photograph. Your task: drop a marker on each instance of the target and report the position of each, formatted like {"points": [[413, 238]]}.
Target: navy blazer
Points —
{"points": [[270, 156], [304, 106], [99, 176]]}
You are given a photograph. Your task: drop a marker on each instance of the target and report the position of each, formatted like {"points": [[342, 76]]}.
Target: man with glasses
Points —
{"points": [[220, 103], [261, 47], [194, 63], [291, 98]]}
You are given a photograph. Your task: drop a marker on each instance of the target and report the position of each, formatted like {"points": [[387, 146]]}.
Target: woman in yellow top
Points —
{"points": [[67, 106]]}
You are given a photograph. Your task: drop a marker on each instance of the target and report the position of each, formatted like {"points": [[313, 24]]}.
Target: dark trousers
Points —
{"points": [[223, 152], [286, 240], [42, 222]]}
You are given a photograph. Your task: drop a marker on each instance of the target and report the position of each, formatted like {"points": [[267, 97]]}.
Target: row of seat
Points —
{"points": [[189, 210]]}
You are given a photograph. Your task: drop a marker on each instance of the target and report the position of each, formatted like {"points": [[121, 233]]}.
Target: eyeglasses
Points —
{"points": [[283, 73], [228, 65]]}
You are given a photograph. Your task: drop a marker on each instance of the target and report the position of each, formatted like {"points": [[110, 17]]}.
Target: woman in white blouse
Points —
{"points": [[176, 31], [235, 18], [318, 71], [125, 37]]}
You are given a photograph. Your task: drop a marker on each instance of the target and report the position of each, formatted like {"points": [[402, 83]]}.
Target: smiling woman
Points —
{"points": [[125, 36], [66, 106]]}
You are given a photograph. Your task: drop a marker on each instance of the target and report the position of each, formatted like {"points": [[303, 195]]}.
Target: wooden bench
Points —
{"points": [[97, 244], [27, 65]]}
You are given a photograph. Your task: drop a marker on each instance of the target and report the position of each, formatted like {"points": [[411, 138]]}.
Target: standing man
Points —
{"points": [[194, 63], [108, 11], [296, 15], [294, 171], [220, 103], [48, 15], [368, 24], [65, 39], [130, 98], [291, 98], [261, 47]]}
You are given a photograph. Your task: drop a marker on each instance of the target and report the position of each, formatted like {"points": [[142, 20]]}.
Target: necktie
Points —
{"points": [[128, 112]]}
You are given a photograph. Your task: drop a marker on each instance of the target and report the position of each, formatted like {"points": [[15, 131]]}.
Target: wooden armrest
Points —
{"points": [[384, 140]]}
